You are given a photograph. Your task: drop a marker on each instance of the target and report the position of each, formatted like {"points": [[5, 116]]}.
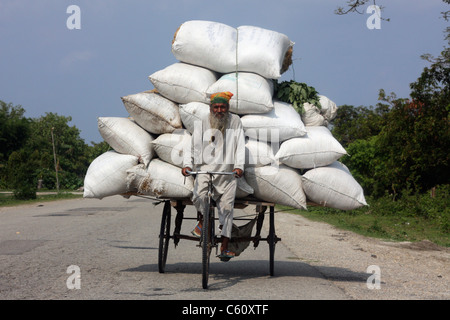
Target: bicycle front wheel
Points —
{"points": [[207, 244]]}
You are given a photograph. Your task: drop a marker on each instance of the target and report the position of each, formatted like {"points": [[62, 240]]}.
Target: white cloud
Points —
{"points": [[73, 58]]}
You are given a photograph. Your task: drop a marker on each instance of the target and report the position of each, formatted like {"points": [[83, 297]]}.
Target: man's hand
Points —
{"points": [[238, 172], [185, 170]]}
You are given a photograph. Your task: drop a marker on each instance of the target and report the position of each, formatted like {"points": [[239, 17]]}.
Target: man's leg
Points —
{"points": [[225, 208], [200, 200]]}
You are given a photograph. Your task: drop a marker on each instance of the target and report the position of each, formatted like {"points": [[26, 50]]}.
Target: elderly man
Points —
{"points": [[221, 148]]}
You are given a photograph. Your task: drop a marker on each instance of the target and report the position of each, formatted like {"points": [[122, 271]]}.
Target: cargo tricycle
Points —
{"points": [[208, 239]]}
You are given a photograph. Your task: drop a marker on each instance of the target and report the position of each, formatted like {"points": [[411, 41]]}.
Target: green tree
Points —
{"points": [[26, 151], [14, 131], [416, 137], [71, 151], [402, 145], [356, 123], [365, 161], [96, 150]]}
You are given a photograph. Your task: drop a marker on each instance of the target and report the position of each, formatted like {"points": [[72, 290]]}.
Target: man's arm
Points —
{"points": [[240, 149]]}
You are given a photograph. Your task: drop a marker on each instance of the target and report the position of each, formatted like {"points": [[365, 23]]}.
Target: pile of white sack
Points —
{"points": [[148, 146]]}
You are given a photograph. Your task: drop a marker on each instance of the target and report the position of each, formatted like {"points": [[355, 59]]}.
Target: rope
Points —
{"points": [[237, 69]]}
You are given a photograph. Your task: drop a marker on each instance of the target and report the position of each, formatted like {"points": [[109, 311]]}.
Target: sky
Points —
{"points": [[45, 66]]}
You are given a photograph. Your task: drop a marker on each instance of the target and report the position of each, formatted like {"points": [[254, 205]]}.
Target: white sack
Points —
{"points": [[153, 112], [280, 124], [329, 108], [251, 92], [333, 186], [170, 146], [243, 189], [161, 180], [184, 83], [213, 45], [192, 112], [317, 148], [258, 154], [126, 137], [107, 175], [208, 44], [281, 185], [311, 116]]}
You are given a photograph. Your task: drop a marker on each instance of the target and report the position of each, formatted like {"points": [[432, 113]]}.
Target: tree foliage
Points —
{"points": [[403, 143], [71, 151], [401, 146], [14, 129], [355, 123], [26, 151]]}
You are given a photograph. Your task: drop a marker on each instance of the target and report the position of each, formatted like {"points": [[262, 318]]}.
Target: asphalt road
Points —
{"points": [[108, 249]]}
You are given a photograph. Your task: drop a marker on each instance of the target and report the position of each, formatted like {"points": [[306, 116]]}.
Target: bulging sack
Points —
{"points": [[225, 49], [160, 180], [258, 154], [311, 116], [317, 148], [126, 137], [153, 112], [252, 93], [329, 108], [243, 189], [192, 112], [107, 175], [184, 83], [281, 185], [263, 51], [280, 124], [333, 186], [170, 146], [205, 43]]}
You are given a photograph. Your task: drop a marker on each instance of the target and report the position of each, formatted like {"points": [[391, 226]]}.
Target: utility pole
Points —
{"points": [[54, 158]]}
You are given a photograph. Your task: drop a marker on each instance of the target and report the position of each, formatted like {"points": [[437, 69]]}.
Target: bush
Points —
{"points": [[22, 174]]}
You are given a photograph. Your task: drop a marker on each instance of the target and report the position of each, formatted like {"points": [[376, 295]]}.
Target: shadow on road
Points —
{"points": [[230, 273]]}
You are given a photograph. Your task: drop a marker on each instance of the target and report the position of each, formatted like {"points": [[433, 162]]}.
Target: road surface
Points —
{"points": [[108, 249]]}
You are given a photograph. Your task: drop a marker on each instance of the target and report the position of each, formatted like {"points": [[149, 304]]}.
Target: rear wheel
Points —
{"points": [[272, 241], [164, 237]]}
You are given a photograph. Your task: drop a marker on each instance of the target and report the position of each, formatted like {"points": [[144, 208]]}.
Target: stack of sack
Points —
{"points": [[289, 158]]}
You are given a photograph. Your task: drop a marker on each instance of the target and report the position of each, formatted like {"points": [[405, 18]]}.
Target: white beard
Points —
{"points": [[219, 124]]}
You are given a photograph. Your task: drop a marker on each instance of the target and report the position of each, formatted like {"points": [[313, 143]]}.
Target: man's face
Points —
{"points": [[219, 110]]}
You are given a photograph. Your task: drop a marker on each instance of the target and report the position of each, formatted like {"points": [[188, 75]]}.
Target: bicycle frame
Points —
{"points": [[207, 241]]}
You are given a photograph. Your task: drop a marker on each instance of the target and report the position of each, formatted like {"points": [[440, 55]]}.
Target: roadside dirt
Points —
{"points": [[367, 268]]}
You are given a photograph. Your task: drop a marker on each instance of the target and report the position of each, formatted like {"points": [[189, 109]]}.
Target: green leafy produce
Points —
{"points": [[297, 94]]}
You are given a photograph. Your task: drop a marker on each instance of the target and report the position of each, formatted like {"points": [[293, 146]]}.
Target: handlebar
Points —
{"points": [[211, 172]]}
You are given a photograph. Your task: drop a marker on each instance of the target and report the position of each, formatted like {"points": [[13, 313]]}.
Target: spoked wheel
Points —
{"points": [[164, 237], [272, 241], [207, 245]]}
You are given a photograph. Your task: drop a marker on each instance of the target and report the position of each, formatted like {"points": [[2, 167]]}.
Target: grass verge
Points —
{"points": [[412, 218], [7, 199]]}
